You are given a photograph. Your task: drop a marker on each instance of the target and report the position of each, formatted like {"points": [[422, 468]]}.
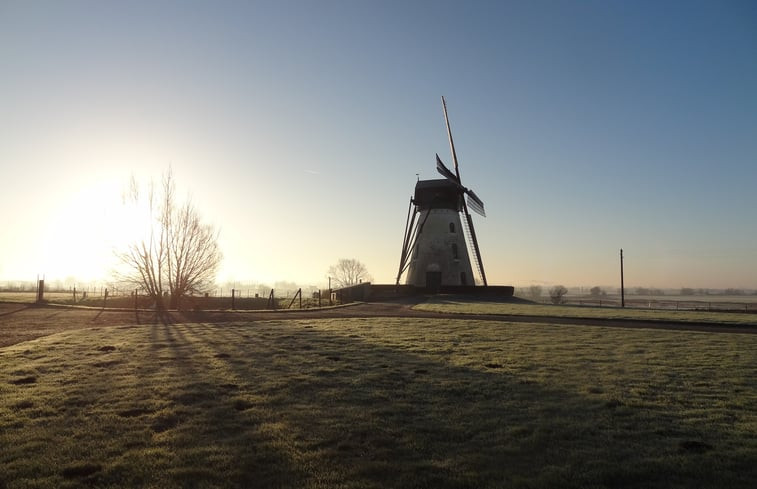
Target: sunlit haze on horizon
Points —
{"points": [[298, 129]]}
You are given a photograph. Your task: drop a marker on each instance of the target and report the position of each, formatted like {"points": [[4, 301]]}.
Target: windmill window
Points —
{"points": [[454, 251], [452, 227], [463, 279]]}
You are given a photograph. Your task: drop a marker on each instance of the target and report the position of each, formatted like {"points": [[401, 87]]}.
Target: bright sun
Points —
{"points": [[85, 230]]}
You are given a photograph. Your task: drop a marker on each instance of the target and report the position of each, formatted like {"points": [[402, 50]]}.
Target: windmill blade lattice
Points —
{"points": [[474, 202]]}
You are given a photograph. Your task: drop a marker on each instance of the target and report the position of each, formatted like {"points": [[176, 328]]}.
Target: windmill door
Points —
{"points": [[433, 281]]}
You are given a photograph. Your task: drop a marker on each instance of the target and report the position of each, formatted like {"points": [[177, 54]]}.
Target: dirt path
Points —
{"points": [[24, 322]]}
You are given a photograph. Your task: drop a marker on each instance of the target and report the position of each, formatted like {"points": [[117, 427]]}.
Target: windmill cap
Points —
{"points": [[437, 194]]}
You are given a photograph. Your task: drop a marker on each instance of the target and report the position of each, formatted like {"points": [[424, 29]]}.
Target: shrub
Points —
{"points": [[556, 294]]}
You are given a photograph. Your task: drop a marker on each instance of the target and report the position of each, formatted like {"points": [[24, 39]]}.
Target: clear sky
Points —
{"points": [[299, 127]]}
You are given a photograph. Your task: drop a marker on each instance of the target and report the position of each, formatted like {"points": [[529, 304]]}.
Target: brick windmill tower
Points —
{"points": [[440, 246]]}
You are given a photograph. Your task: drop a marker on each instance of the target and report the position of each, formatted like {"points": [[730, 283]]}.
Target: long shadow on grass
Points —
{"points": [[235, 449], [14, 311], [152, 410], [290, 404], [341, 408]]}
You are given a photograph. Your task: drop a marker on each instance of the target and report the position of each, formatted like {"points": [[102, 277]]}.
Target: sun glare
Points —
{"points": [[86, 229]]}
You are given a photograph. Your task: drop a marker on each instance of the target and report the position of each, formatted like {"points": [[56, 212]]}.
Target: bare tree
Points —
{"points": [[193, 254], [556, 294], [348, 272], [177, 255], [144, 259], [597, 291], [534, 292]]}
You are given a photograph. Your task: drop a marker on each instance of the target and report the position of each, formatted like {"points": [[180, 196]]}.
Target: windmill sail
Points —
{"points": [[475, 203], [449, 135], [444, 171]]}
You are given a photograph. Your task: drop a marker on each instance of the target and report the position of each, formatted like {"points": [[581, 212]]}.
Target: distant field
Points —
{"points": [[452, 304], [737, 299], [359, 403], [29, 297], [712, 302]]}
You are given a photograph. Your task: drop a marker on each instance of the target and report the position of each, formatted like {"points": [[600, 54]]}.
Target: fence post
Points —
{"points": [[40, 290], [233, 293]]}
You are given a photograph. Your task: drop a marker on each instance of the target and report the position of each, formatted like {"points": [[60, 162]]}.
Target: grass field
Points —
{"points": [[452, 304], [29, 297], [378, 403]]}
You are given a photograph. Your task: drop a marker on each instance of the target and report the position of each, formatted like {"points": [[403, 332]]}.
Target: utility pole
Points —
{"points": [[622, 289]]}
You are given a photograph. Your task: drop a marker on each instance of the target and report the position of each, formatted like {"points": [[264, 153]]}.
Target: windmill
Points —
{"points": [[439, 236]]}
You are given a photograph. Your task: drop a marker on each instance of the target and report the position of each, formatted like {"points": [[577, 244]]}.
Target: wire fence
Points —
{"points": [[217, 299], [748, 305]]}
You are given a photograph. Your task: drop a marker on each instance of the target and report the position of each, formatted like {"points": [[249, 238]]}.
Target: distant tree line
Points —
{"points": [[729, 291], [648, 291]]}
